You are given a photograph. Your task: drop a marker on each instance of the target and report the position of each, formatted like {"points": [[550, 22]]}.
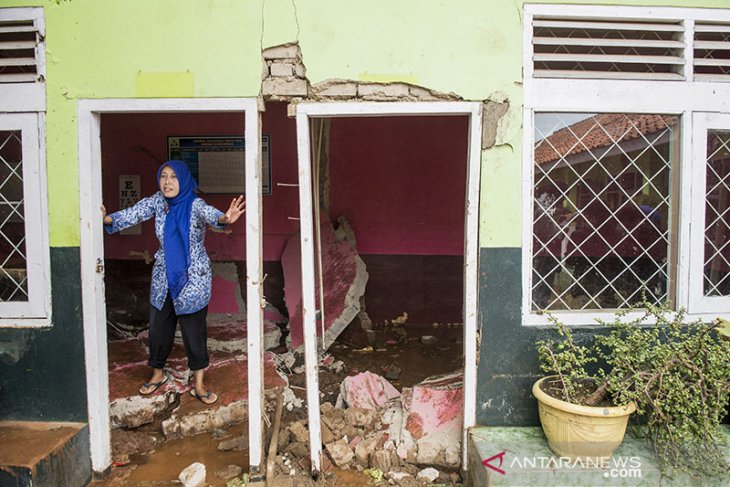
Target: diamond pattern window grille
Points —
{"points": [[606, 48], [13, 262], [717, 215], [712, 51], [601, 208]]}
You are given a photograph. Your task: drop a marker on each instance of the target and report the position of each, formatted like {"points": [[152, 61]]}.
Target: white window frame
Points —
{"points": [[698, 301], [37, 309], [22, 107], [684, 98]]}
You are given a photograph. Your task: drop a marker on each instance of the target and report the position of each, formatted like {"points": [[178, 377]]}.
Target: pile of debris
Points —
{"points": [[384, 433]]}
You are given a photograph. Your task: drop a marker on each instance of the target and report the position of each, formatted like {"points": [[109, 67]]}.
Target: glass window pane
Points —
{"points": [[601, 209], [717, 216], [13, 265]]}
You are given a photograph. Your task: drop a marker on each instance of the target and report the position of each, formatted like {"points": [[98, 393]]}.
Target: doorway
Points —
{"points": [[309, 216], [90, 113]]}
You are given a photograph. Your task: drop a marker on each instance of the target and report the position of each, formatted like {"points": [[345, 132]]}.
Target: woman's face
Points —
{"points": [[168, 182]]}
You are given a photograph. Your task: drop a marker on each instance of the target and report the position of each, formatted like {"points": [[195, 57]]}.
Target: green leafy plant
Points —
{"points": [[676, 372]]}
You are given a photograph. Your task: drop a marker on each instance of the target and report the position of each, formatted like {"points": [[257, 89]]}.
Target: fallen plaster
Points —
{"points": [[433, 414], [344, 277], [366, 390]]}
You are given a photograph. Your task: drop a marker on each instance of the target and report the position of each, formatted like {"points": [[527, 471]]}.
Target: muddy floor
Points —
{"points": [[404, 353]]}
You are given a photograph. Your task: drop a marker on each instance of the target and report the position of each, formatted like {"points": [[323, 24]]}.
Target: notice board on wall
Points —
{"points": [[218, 163]]}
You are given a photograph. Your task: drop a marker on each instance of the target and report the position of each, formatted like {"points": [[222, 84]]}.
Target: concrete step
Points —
{"points": [[44, 454], [519, 456]]}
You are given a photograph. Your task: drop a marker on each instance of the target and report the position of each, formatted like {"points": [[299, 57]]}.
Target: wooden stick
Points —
{"points": [[274, 443]]}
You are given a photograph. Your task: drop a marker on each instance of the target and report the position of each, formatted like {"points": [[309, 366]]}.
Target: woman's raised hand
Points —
{"points": [[237, 208]]}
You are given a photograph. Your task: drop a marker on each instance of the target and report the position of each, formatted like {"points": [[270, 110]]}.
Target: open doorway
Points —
{"points": [[409, 213], [133, 147], [100, 358]]}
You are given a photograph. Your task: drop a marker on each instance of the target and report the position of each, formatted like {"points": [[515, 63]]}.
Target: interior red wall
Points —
{"points": [[401, 182], [137, 144]]}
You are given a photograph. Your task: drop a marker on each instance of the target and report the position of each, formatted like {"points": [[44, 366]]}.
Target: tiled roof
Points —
{"points": [[600, 130]]}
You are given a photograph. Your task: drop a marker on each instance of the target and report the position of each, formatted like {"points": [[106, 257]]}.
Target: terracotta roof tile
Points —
{"points": [[600, 130]]}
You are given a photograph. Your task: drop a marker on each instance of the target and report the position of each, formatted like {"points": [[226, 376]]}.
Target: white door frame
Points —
{"points": [[92, 251], [307, 110]]}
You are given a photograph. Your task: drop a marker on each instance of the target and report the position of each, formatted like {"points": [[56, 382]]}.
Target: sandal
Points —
{"points": [[153, 385], [208, 398]]}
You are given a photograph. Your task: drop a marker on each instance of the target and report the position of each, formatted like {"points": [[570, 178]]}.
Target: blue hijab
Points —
{"points": [[177, 227]]}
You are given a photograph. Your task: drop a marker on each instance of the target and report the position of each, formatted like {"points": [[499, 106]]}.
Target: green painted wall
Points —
{"points": [[172, 48], [136, 49]]}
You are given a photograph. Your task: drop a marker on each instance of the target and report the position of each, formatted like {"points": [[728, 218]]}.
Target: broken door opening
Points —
{"points": [[125, 140], [411, 229], [133, 146]]}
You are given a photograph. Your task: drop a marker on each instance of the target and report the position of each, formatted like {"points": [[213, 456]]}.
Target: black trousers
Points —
{"points": [[162, 335]]}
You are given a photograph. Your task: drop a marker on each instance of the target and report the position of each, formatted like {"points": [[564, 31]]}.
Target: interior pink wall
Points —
{"points": [[401, 182], [137, 144]]}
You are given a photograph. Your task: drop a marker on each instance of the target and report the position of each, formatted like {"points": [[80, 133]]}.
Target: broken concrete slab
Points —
{"points": [[344, 277], [127, 407], [433, 418], [367, 391], [228, 379]]}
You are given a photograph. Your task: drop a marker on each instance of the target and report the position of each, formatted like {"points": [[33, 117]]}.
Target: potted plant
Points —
{"points": [[675, 374]]}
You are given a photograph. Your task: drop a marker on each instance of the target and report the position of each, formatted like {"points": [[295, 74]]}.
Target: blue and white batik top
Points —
{"points": [[196, 293]]}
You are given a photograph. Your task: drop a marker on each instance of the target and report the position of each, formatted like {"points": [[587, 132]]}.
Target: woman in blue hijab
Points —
{"points": [[182, 276]]}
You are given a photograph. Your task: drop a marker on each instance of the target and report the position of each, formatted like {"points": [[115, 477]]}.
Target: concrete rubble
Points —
{"points": [[377, 428], [433, 413], [193, 475]]}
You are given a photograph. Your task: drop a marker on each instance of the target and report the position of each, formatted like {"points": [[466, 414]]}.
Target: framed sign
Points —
{"points": [[218, 162]]}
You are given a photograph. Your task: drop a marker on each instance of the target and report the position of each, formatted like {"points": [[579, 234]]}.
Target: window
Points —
{"points": [[601, 207], [24, 259], [716, 266], [626, 191]]}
